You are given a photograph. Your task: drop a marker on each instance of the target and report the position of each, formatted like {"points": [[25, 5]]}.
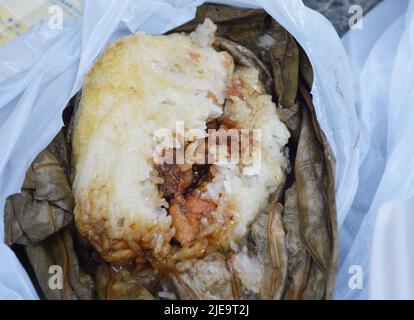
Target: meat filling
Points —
{"points": [[188, 211], [186, 208]]}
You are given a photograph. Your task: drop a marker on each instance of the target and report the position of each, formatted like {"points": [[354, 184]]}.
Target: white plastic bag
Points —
{"points": [[42, 69], [376, 236]]}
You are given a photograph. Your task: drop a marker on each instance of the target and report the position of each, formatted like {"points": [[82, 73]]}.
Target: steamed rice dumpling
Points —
{"points": [[140, 197], [183, 184]]}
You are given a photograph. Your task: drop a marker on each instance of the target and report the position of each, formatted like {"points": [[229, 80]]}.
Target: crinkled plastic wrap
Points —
{"points": [[41, 70], [376, 237]]}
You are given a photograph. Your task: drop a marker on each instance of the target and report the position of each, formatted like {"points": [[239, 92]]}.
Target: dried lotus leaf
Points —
{"points": [[247, 272], [241, 25], [246, 31], [239, 291], [316, 284], [207, 278], [58, 251], [31, 221], [278, 250], [270, 249], [29, 179], [328, 183], [133, 292], [329, 180], [59, 149], [44, 206], [69, 117], [298, 257], [309, 171], [124, 284], [42, 258], [129, 285], [291, 117], [13, 230], [102, 274], [244, 57], [222, 15], [283, 55], [81, 283], [305, 68], [51, 182]]}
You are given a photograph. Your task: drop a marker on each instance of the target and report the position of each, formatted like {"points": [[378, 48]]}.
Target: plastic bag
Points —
{"points": [[42, 69], [375, 236]]}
